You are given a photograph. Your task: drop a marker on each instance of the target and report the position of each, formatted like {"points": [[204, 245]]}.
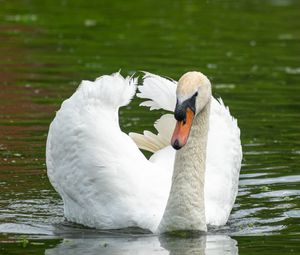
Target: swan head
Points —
{"points": [[193, 93]]}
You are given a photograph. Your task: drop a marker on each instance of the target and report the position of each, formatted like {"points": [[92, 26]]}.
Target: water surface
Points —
{"points": [[250, 51]]}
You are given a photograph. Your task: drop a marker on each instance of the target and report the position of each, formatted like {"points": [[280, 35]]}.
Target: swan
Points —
{"points": [[106, 182]]}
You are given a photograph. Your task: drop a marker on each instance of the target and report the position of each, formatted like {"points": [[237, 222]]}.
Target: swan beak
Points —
{"points": [[182, 130]]}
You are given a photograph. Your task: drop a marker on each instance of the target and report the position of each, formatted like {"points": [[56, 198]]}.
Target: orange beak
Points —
{"points": [[182, 130]]}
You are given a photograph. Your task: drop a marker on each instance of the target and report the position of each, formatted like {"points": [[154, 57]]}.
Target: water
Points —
{"points": [[250, 51]]}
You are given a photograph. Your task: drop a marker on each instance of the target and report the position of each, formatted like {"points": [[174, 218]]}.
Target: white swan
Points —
{"points": [[106, 182]]}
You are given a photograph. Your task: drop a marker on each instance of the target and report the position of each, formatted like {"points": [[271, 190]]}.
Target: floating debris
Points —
{"points": [[90, 22], [22, 18], [225, 86], [291, 70], [212, 66], [264, 188], [285, 37]]}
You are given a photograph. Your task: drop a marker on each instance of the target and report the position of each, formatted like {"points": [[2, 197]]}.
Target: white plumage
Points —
{"points": [[104, 179]]}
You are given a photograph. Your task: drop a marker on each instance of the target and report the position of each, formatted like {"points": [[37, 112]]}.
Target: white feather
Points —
{"points": [[151, 142], [224, 151], [160, 91], [104, 179]]}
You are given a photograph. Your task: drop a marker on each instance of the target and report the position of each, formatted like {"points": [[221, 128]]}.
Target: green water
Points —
{"points": [[249, 49]]}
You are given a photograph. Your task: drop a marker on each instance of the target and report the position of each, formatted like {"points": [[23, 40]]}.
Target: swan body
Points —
{"points": [[106, 182]]}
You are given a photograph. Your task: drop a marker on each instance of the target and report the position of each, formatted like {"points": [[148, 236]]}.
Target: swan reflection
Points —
{"points": [[210, 244]]}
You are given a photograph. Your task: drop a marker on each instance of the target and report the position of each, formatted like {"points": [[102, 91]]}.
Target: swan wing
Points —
{"points": [[155, 142], [160, 94], [159, 91], [102, 177], [224, 155]]}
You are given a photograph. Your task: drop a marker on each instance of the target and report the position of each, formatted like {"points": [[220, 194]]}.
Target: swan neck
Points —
{"points": [[185, 208]]}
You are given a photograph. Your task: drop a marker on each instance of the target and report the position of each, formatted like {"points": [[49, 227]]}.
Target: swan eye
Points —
{"points": [[180, 111], [181, 108], [192, 102]]}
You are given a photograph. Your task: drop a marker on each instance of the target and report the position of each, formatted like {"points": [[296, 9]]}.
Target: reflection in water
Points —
{"points": [[210, 244]]}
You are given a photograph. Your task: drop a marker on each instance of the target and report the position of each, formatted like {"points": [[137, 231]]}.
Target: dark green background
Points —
{"points": [[249, 49]]}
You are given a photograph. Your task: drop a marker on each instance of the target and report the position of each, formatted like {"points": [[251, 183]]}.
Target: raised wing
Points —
{"points": [[161, 94], [160, 91], [97, 169]]}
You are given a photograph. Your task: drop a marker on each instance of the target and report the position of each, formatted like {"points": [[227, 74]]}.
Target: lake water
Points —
{"points": [[249, 49]]}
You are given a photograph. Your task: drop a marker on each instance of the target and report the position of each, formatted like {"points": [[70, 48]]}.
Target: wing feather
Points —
{"points": [[159, 90], [103, 178]]}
